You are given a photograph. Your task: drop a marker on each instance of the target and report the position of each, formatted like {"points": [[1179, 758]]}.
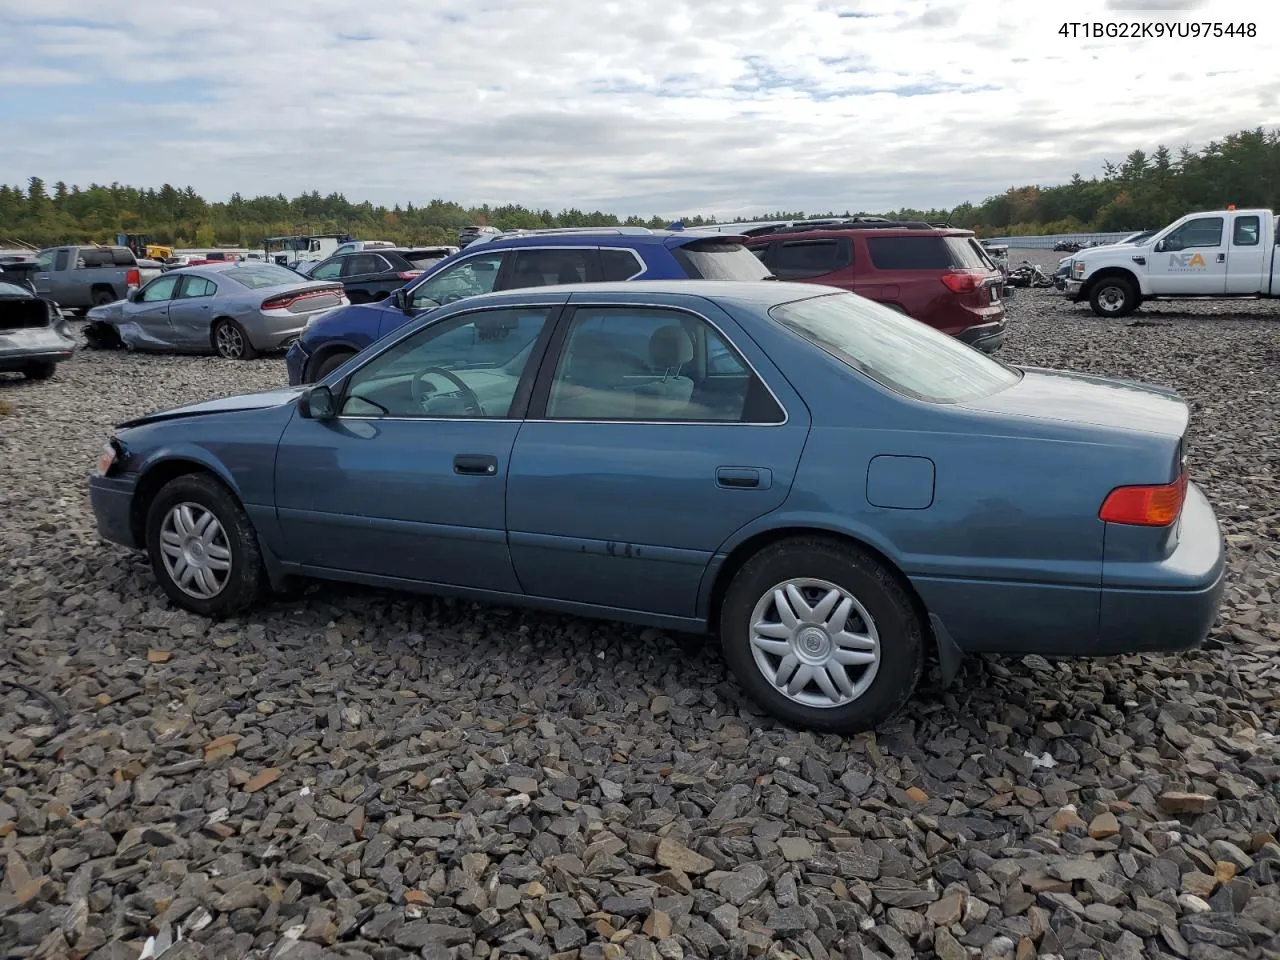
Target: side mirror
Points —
{"points": [[401, 299], [317, 404], [1158, 248], [135, 296]]}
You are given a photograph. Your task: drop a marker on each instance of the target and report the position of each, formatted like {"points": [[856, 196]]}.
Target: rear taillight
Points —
{"points": [[962, 282], [408, 274], [133, 277], [285, 300], [1145, 506]]}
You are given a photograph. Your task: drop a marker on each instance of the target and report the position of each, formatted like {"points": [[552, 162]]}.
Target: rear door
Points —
{"points": [[191, 313], [653, 435], [1247, 267]]}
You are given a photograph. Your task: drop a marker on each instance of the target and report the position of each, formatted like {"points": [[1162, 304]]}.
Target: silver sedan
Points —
{"points": [[235, 310]]}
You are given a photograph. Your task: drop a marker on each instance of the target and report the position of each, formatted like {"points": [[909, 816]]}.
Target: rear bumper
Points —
{"points": [[112, 501], [987, 337], [1169, 605], [17, 360]]}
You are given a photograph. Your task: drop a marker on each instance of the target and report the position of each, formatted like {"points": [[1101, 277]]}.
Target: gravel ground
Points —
{"points": [[362, 774]]}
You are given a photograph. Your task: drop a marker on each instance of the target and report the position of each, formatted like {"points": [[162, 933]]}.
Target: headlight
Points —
{"points": [[107, 459], [1077, 269]]}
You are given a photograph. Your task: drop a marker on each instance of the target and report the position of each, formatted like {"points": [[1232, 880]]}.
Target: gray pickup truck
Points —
{"points": [[84, 276]]}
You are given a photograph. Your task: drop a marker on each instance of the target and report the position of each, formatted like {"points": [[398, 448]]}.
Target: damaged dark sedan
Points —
{"points": [[34, 337]]}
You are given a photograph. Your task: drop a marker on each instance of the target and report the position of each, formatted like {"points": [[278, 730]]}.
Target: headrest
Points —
{"points": [[670, 347]]}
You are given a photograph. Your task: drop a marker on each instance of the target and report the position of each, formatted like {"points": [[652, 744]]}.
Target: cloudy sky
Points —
{"points": [[666, 106]]}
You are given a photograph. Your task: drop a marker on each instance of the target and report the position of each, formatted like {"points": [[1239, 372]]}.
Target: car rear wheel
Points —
{"points": [[39, 370], [1113, 297], [103, 297], [203, 548], [330, 364], [822, 635], [231, 342]]}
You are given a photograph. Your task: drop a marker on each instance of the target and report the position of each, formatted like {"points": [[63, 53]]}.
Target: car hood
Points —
{"points": [[249, 401], [1080, 398]]}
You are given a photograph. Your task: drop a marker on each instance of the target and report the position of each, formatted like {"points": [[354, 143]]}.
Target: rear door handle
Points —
{"points": [[744, 478], [475, 464]]}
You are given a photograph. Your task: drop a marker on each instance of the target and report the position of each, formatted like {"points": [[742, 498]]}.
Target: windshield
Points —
{"points": [[896, 351], [720, 260], [258, 275]]}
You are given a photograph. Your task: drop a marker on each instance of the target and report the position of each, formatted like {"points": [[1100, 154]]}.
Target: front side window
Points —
{"points": [[545, 268], [467, 366], [897, 352], [469, 278], [1200, 232], [329, 270], [653, 364], [1247, 232], [159, 289]]}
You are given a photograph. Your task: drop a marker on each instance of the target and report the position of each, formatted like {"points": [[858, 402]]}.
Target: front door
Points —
{"points": [[45, 266], [1246, 257], [650, 441], [191, 313], [1191, 260], [409, 481], [150, 313]]}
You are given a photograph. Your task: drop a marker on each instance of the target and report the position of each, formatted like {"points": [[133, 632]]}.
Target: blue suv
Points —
{"points": [[516, 261]]}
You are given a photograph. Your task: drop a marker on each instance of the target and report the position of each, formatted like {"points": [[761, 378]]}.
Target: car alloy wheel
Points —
{"points": [[195, 550], [814, 643], [230, 341]]}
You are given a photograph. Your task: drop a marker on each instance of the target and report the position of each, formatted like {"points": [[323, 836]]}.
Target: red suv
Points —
{"points": [[938, 275]]}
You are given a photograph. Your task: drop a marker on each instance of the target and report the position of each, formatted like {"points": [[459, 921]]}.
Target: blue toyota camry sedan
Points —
{"points": [[836, 490]]}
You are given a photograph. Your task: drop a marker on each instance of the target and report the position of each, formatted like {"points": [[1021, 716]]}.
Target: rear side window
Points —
{"points": [[925, 253], [797, 259], [123, 257], [1246, 232], [719, 260], [619, 264], [545, 268]]}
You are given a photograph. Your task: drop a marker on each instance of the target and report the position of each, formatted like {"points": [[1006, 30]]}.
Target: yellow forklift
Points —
{"points": [[142, 246]]}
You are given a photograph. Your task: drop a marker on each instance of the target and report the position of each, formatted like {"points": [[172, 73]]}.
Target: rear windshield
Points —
{"points": [[719, 260], [257, 275], [423, 260], [896, 351], [927, 253]]}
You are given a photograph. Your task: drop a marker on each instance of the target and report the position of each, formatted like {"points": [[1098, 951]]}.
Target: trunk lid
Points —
{"points": [[1101, 401]]}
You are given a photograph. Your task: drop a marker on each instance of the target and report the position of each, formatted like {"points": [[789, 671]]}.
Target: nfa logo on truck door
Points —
{"points": [[1183, 262]]}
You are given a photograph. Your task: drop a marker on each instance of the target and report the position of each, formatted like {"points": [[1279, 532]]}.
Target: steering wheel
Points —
{"points": [[421, 395]]}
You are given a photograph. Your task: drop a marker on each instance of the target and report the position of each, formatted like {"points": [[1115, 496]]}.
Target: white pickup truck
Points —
{"points": [[1217, 253]]}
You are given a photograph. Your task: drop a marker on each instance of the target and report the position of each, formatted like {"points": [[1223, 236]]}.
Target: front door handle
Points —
{"points": [[1222, 258], [475, 464], [744, 478]]}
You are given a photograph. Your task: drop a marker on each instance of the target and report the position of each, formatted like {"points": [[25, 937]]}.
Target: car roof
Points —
{"points": [[871, 228], [763, 293], [610, 236]]}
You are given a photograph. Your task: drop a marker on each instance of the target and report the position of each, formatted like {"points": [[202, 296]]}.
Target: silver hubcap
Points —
{"points": [[1111, 299], [195, 551], [230, 343], [815, 643]]}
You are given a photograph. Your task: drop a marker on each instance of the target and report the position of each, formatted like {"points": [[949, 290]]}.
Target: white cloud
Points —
{"points": [[713, 106]]}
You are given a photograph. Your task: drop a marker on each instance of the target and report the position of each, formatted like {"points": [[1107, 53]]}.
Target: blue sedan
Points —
{"points": [[836, 490]]}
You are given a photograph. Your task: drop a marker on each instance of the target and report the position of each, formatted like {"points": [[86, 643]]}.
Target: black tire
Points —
{"points": [[1113, 297], [246, 581], [39, 370], [103, 297], [225, 334], [330, 364], [870, 583]]}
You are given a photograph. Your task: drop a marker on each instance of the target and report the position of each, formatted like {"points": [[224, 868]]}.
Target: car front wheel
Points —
{"points": [[1113, 297], [203, 548], [822, 635]]}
